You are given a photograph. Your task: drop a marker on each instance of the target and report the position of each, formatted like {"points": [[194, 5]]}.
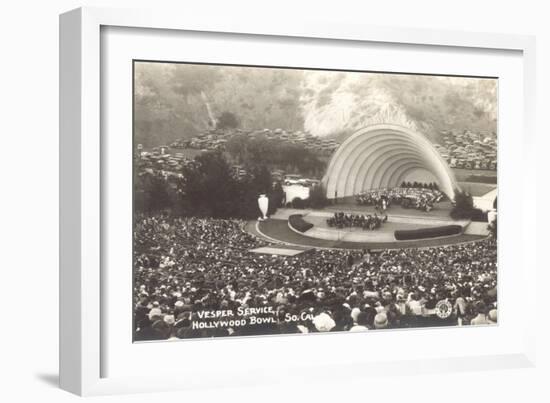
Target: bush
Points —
{"points": [[422, 233], [492, 227], [227, 120], [276, 196], [297, 222], [464, 208], [299, 203]]}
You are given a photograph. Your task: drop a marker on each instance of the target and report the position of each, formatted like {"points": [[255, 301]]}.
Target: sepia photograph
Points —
{"points": [[274, 201]]}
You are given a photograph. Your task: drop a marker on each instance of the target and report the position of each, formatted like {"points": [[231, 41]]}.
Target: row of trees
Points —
{"points": [[420, 185], [207, 188], [275, 154]]}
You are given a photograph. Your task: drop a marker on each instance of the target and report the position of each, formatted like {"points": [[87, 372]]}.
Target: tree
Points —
{"points": [[317, 197], [246, 202], [209, 188], [152, 193], [276, 198], [299, 203], [492, 227], [227, 120], [261, 150], [259, 182], [463, 207], [237, 147]]}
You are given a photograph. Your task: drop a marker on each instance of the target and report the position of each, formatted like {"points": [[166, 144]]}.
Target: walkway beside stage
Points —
{"points": [[486, 201], [287, 250], [277, 231]]}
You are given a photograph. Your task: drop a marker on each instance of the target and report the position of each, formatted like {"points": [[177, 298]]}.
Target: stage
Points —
{"points": [[277, 229], [321, 230]]}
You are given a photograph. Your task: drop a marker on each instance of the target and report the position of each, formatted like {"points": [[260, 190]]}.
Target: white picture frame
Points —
{"points": [[82, 343]]}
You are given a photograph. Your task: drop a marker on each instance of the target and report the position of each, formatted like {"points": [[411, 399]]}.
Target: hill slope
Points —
{"points": [[181, 100]]}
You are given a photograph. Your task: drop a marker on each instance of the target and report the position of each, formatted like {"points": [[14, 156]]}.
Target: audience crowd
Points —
{"points": [[188, 270], [418, 198]]}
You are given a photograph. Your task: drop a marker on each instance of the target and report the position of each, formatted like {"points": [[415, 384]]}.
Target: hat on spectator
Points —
{"points": [[161, 328], [480, 307], [492, 316], [381, 321], [354, 313], [182, 320], [182, 332], [323, 322], [155, 313], [362, 319], [169, 319]]}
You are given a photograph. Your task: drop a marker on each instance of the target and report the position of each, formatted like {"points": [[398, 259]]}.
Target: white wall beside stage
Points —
{"points": [[293, 191], [485, 202]]}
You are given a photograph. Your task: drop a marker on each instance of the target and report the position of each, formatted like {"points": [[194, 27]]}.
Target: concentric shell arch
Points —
{"points": [[380, 156]]}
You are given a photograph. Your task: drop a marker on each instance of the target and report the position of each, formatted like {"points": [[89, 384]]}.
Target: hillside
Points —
{"points": [[181, 100]]}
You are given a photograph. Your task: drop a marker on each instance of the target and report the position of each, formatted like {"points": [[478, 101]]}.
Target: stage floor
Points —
{"points": [[385, 233], [349, 205]]}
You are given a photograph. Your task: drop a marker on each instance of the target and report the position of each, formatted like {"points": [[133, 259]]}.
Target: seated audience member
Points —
{"points": [[481, 317], [381, 321], [492, 317], [361, 323]]}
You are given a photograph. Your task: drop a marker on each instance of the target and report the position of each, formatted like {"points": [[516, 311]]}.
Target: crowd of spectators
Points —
{"points": [[366, 222], [184, 267], [422, 199]]}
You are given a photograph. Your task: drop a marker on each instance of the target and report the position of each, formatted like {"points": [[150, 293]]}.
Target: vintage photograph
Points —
{"points": [[273, 201]]}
